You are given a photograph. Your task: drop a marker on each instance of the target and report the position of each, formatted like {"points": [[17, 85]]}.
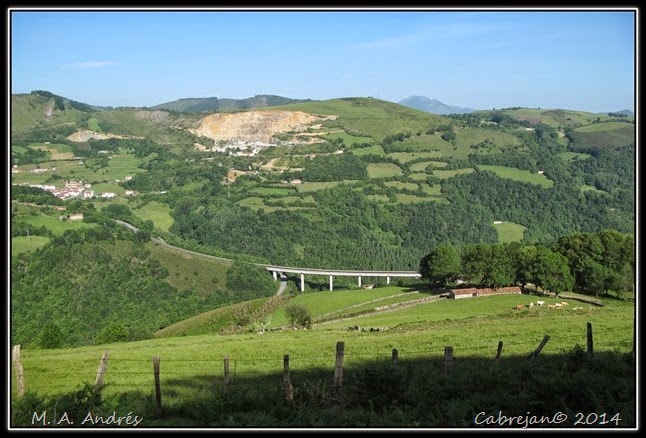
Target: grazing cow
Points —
{"points": [[577, 308], [564, 304], [531, 304], [540, 303], [551, 306], [557, 305], [519, 306]]}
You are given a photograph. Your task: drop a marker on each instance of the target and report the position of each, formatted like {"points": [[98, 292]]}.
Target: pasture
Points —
{"points": [[519, 175], [418, 176], [348, 139], [472, 326], [55, 225], [370, 150], [383, 170], [157, 212], [509, 232], [315, 186], [405, 157], [444, 174], [57, 151], [569, 156], [186, 271], [25, 244], [401, 185]]}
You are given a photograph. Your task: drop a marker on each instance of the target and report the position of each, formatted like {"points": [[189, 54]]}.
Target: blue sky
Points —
{"points": [[581, 60]]}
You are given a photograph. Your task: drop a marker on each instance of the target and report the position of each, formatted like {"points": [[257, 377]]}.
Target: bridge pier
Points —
{"points": [[275, 275], [359, 280], [302, 282], [331, 283]]}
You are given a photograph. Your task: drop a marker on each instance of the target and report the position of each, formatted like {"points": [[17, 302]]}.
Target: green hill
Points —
{"points": [[365, 116], [83, 289], [213, 104]]}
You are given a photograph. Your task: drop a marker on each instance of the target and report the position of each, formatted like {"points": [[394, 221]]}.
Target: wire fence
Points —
{"points": [[225, 372]]}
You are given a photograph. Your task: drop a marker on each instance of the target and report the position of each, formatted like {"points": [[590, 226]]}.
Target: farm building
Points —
{"points": [[474, 292]]}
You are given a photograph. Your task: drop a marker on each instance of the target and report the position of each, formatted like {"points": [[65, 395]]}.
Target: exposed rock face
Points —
{"points": [[85, 135], [250, 126]]}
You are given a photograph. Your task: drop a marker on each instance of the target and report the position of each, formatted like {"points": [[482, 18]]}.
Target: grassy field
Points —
{"points": [[601, 135], [157, 212], [348, 139], [93, 125], [587, 188], [420, 167], [56, 226], [360, 116], [472, 326], [25, 244], [444, 174], [519, 175], [405, 157], [401, 185], [467, 137], [418, 176], [405, 198], [269, 191], [57, 151], [315, 186], [569, 156], [190, 271], [434, 190], [383, 170], [509, 231], [423, 143], [371, 150]]}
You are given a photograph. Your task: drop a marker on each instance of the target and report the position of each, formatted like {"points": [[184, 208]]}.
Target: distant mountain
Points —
{"points": [[433, 106], [196, 105], [626, 113]]}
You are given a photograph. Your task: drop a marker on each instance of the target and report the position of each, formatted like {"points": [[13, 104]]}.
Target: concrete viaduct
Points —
{"points": [[331, 273]]}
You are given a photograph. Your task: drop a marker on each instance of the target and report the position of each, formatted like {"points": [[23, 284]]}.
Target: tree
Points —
{"points": [[298, 316], [441, 265], [489, 265], [51, 336], [550, 271]]}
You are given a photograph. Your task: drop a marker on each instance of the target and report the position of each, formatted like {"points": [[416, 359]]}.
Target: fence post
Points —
{"points": [[539, 348], [497, 358], [589, 337], [395, 356], [103, 365], [227, 381], [289, 389], [338, 368], [448, 358], [20, 375], [156, 360]]}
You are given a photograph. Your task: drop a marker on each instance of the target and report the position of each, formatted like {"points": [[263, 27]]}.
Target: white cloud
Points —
{"points": [[90, 64]]}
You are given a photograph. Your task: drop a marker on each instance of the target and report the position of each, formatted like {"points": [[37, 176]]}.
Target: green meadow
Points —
{"points": [[509, 231], [519, 175]]}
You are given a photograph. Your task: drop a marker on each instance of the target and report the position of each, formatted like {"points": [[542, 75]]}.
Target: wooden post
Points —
{"points": [[539, 348], [227, 381], [395, 356], [448, 358], [103, 365], [589, 338], [156, 360], [497, 358], [338, 368], [289, 389], [20, 375]]}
